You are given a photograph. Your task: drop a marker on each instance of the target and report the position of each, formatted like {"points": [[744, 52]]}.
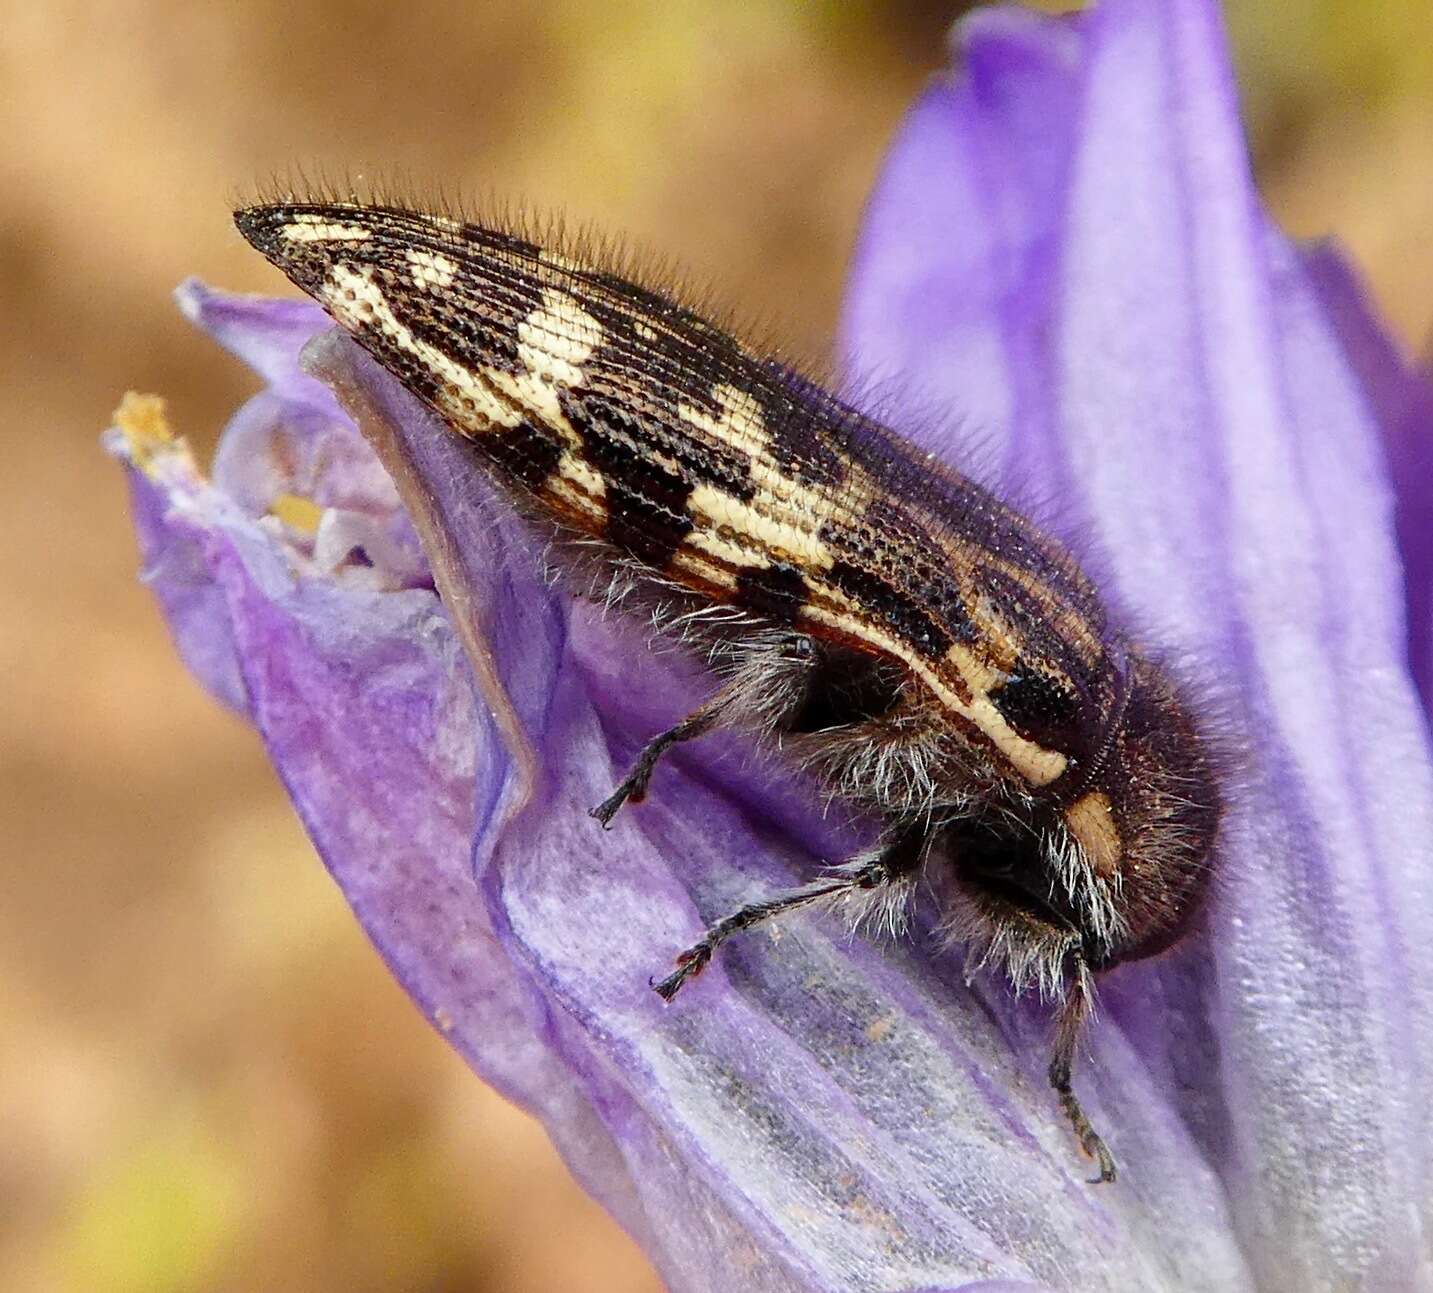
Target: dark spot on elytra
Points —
{"points": [[528, 452], [649, 418], [777, 591], [1040, 709], [470, 339], [640, 523], [906, 617], [647, 514], [802, 420], [902, 555]]}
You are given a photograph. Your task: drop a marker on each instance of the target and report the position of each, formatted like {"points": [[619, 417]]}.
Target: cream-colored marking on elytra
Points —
{"points": [[557, 338], [431, 270], [1034, 763], [1000, 640], [309, 227], [714, 510], [707, 570], [357, 302], [1091, 821], [476, 399], [644, 330], [977, 673], [975, 562], [982, 679], [576, 482], [742, 427], [534, 395], [990, 622]]}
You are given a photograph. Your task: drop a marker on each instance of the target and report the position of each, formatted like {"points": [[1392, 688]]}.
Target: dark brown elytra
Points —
{"points": [[927, 652]]}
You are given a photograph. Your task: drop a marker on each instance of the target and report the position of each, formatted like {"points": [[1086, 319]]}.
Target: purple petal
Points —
{"points": [[960, 245], [1214, 439], [267, 335], [1402, 402], [291, 451], [366, 704], [174, 561]]}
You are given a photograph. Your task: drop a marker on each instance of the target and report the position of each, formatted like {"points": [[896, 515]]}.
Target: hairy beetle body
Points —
{"points": [[925, 649]]}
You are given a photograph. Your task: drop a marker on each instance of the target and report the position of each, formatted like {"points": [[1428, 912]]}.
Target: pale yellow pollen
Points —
{"points": [[145, 424], [1091, 821], [880, 1028], [431, 270], [297, 512]]}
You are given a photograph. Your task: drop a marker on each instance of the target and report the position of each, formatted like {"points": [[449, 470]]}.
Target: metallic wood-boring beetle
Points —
{"points": [[933, 657]]}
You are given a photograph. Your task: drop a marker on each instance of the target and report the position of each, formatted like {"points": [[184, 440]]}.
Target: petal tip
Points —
{"points": [[191, 296], [983, 35]]}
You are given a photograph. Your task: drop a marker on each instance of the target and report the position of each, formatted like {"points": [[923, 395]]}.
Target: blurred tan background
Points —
{"points": [[207, 1080]]}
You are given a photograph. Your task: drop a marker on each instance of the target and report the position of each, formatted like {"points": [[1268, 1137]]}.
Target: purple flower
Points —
{"points": [[1065, 248]]}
